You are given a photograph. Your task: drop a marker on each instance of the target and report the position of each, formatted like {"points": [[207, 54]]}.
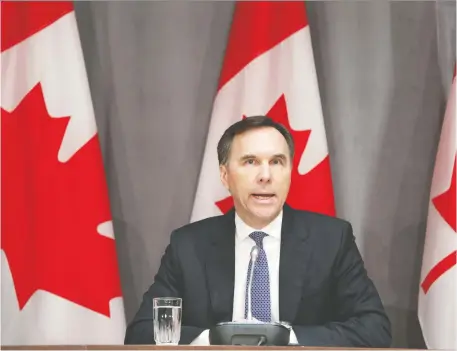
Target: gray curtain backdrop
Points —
{"points": [[384, 69]]}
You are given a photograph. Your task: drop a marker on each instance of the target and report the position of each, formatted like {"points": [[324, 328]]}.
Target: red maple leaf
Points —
{"points": [[312, 191], [51, 210], [445, 205]]}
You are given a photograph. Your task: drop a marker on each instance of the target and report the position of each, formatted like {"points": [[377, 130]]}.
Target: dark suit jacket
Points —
{"points": [[324, 290]]}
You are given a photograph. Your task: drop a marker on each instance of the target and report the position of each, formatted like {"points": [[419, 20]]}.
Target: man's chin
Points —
{"points": [[266, 215]]}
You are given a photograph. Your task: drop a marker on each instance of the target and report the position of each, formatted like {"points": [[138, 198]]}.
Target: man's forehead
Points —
{"points": [[261, 141]]}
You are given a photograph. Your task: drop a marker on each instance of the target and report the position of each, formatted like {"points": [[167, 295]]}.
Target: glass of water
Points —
{"points": [[167, 320]]}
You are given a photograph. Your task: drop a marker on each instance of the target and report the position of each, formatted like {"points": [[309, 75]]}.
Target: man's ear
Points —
{"points": [[223, 173]]}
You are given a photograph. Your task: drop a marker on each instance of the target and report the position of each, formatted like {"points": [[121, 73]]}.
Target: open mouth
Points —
{"points": [[263, 197]]}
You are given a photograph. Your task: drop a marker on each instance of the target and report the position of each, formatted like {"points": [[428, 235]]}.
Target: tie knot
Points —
{"points": [[258, 238]]}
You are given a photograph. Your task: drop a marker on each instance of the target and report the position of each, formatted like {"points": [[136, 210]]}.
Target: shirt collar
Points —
{"points": [[272, 229]]}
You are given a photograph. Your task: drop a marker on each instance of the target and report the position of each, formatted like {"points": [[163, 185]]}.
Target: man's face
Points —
{"points": [[258, 174]]}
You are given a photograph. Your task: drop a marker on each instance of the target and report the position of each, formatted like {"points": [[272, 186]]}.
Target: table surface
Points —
{"points": [[171, 348]]}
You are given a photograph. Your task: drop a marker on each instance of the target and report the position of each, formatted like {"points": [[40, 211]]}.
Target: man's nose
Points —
{"points": [[264, 174]]}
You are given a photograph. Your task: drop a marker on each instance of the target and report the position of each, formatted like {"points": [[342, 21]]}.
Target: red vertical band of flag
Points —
{"points": [[21, 19], [257, 27]]}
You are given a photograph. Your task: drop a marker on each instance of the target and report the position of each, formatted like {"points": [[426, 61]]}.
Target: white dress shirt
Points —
{"points": [[243, 246]]}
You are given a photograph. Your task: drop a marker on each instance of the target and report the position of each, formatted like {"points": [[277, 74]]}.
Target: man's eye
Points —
{"points": [[250, 162], [277, 162]]}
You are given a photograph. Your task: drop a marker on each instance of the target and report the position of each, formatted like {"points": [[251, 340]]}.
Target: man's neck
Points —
{"points": [[256, 223]]}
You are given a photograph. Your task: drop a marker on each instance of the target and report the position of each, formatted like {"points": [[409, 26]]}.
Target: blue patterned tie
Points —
{"points": [[260, 291]]}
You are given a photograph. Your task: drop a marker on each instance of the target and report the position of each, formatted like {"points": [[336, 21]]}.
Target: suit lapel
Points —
{"points": [[220, 268], [294, 259]]}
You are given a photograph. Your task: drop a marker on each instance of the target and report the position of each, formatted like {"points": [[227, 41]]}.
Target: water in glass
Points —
{"points": [[167, 320]]}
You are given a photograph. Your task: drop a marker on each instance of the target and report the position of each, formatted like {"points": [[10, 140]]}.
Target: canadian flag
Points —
{"points": [[60, 279], [269, 70], [437, 307]]}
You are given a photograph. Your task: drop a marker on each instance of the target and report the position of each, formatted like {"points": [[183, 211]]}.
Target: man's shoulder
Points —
{"points": [[320, 223], [319, 218], [325, 233], [198, 229]]}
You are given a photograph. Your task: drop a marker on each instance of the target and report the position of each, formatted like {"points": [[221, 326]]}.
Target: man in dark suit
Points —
{"points": [[308, 273]]}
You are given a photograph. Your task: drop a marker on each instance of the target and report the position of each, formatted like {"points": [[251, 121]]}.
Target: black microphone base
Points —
{"points": [[249, 334]]}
